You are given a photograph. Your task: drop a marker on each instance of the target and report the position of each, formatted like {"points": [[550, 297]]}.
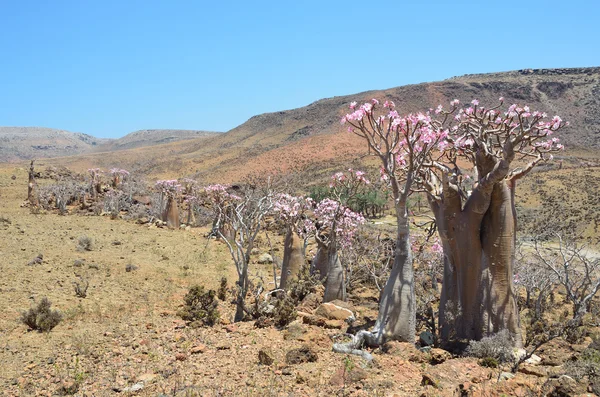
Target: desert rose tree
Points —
{"points": [[403, 144], [169, 189], [336, 227], [243, 215], [292, 212], [471, 190]]}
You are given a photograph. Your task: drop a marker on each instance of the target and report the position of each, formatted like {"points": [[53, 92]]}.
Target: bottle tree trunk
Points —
{"points": [[319, 263], [171, 213], [498, 235], [478, 297], [397, 306], [335, 286], [293, 258], [32, 186]]}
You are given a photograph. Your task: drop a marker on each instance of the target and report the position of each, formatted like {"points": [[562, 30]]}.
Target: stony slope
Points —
{"points": [[144, 138], [311, 136], [21, 143]]}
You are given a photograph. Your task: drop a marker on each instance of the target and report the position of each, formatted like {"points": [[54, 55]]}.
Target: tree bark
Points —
{"points": [[397, 308], [478, 297], [32, 186], [335, 287], [171, 214], [319, 263], [498, 235], [293, 258]]}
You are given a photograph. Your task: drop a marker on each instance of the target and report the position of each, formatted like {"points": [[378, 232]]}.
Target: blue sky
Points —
{"points": [[108, 68]]}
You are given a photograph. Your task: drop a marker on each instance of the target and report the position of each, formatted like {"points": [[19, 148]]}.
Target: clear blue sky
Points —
{"points": [[108, 68]]}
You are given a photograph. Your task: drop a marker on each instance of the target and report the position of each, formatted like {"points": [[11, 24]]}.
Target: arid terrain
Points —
{"points": [[126, 338]]}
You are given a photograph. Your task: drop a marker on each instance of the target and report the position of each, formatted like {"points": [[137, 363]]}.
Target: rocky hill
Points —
{"points": [[21, 143], [312, 137], [144, 138]]}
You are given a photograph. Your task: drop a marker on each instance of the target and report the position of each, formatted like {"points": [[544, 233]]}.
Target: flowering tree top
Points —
{"points": [[292, 210], [170, 186], [341, 222]]}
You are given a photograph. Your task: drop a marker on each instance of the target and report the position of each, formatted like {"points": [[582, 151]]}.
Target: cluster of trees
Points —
{"points": [[466, 160]]}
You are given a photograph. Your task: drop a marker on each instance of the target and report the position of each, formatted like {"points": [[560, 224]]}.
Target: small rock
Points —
{"points": [[506, 376], [438, 356], [334, 312], [130, 267], [137, 387], [200, 348], [230, 328], [304, 354], [180, 357], [347, 375], [426, 338], [265, 356], [310, 302], [265, 258]]}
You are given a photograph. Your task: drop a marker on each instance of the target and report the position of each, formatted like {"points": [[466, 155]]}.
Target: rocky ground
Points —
{"points": [[125, 337]]}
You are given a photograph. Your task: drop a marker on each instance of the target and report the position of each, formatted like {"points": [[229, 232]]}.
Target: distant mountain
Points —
{"points": [[23, 143], [311, 136], [144, 138]]}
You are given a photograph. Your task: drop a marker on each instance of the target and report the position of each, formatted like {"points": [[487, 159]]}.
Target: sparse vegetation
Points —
{"points": [[85, 243], [41, 317], [200, 307]]}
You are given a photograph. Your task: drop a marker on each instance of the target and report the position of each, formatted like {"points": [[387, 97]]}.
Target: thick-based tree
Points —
{"points": [[471, 190], [292, 212], [336, 227], [404, 144], [169, 190]]}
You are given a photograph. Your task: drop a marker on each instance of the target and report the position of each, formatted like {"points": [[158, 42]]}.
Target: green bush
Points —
{"points": [[200, 306]]}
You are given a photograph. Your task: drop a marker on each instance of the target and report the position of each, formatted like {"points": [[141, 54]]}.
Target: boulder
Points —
{"points": [[331, 311], [265, 258]]}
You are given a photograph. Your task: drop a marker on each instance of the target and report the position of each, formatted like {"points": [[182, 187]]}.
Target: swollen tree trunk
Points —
{"points": [[397, 307], [32, 186], [478, 297], [335, 287], [498, 235], [319, 262], [293, 258], [171, 213]]}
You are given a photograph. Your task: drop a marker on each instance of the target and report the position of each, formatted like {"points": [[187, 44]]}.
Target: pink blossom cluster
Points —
{"points": [[94, 171], [170, 186], [219, 193], [521, 123], [119, 172], [353, 178], [341, 220], [292, 211], [415, 131]]}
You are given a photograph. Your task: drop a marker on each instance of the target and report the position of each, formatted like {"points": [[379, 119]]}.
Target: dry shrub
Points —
{"points": [[85, 243], [41, 317], [200, 307], [498, 347]]}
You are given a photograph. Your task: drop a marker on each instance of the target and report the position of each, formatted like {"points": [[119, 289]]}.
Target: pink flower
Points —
{"points": [[352, 105], [475, 102]]}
